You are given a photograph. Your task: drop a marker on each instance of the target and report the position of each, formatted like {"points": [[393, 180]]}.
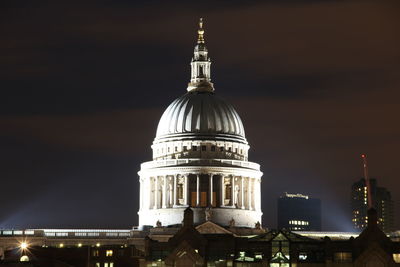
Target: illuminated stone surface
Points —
{"points": [[200, 159]]}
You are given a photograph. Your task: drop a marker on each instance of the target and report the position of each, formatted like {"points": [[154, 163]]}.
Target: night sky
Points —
{"points": [[84, 83]]}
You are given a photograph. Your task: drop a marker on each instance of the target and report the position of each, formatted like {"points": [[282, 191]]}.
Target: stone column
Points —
{"points": [[211, 189], [140, 193], [197, 190], [145, 193], [164, 196], [142, 183], [249, 192], [257, 194], [170, 193], [185, 192], [233, 191], [175, 187], [242, 191], [155, 192], [222, 204], [148, 192]]}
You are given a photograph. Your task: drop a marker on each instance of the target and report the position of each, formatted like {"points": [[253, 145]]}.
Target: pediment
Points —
{"points": [[212, 228]]}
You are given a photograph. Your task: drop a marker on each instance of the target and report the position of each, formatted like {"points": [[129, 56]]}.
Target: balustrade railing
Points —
{"points": [[200, 162]]}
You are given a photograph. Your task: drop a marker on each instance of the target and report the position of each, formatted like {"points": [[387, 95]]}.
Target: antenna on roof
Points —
{"points": [[367, 182]]}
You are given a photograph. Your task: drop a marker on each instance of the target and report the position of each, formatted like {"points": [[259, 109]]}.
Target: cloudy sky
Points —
{"points": [[84, 83]]}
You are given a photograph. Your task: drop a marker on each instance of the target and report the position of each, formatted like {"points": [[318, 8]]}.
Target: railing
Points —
{"points": [[68, 233], [200, 162]]}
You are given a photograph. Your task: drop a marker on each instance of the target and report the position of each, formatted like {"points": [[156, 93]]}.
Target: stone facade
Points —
{"points": [[200, 159]]}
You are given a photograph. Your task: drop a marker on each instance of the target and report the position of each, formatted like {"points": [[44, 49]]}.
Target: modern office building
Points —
{"points": [[297, 212], [381, 201]]}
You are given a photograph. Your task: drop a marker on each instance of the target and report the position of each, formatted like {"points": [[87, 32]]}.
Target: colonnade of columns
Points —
{"points": [[225, 191]]}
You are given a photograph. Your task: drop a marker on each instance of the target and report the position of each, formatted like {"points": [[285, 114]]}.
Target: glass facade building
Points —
{"points": [[381, 201], [297, 212]]}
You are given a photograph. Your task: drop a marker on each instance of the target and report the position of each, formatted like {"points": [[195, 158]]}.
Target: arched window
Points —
{"points": [[201, 72]]}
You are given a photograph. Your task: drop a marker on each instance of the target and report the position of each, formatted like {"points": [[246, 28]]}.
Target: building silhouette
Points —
{"points": [[381, 201], [297, 212]]}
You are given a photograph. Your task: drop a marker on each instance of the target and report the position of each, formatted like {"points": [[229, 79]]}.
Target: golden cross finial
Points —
{"points": [[200, 31]]}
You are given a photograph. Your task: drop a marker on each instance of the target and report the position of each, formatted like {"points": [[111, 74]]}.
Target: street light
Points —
{"points": [[23, 245]]}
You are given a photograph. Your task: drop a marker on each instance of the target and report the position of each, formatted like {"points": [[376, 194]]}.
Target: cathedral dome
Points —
{"points": [[200, 159], [200, 115]]}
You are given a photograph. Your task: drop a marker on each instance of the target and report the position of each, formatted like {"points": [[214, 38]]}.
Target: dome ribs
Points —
{"points": [[218, 121], [233, 118], [173, 122], [188, 117], [200, 115], [211, 120], [180, 123]]}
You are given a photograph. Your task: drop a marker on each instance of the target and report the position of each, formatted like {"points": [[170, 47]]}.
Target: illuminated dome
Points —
{"points": [[200, 159], [199, 115]]}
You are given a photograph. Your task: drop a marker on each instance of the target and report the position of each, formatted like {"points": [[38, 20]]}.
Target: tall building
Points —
{"points": [[200, 159], [297, 212], [381, 201]]}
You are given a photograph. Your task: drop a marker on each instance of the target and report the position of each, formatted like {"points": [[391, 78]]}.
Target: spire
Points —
{"points": [[201, 65], [200, 31]]}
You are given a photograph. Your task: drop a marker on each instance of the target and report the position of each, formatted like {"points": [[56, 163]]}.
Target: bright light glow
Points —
{"points": [[79, 245], [24, 258], [98, 245], [295, 222], [296, 195], [396, 257], [109, 253], [23, 245], [258, 256], [302, 256], [61, 245]]}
